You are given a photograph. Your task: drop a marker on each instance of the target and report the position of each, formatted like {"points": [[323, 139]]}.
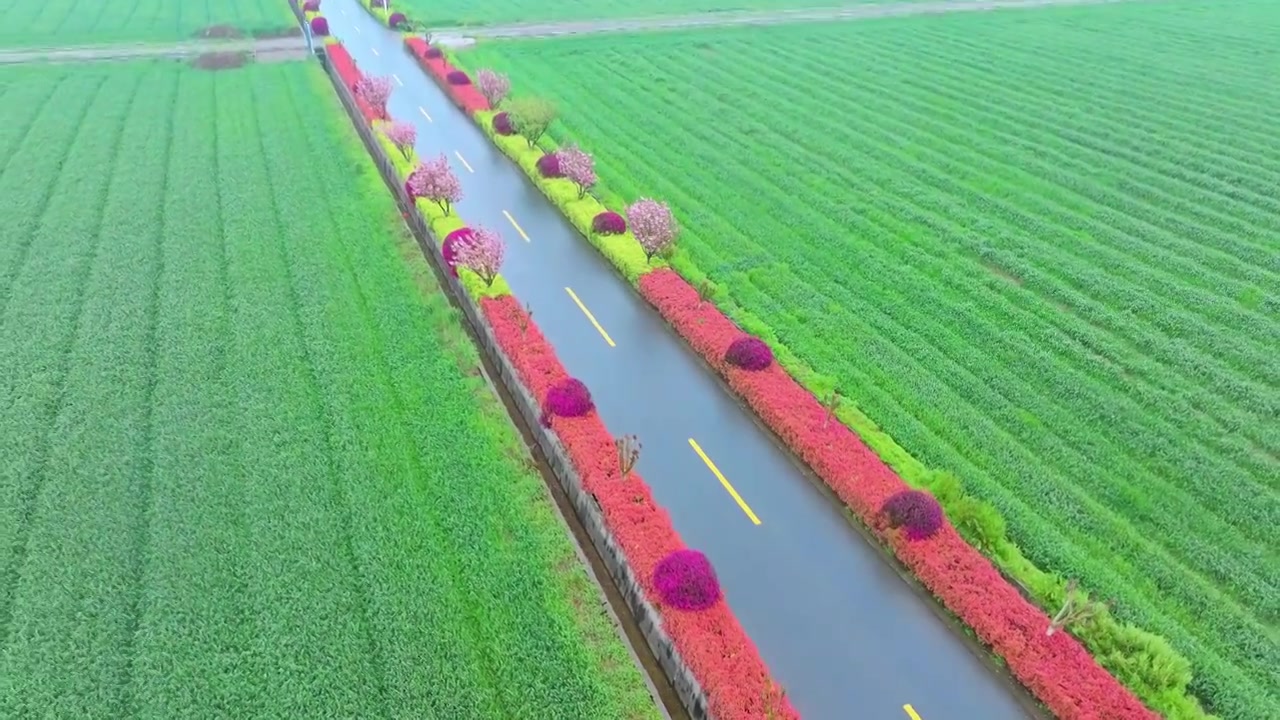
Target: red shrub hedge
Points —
{"points": [[711, 642], [1057, 669], [466, 96], [350, 75]]}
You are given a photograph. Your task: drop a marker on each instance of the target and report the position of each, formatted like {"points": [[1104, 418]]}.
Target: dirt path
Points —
{"points": [[265, 49], [460, 35]]}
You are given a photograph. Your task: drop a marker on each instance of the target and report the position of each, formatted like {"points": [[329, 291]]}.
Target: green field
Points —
{"points": [[249, 469], [1040, 248], [490, 12], [61, 23]]}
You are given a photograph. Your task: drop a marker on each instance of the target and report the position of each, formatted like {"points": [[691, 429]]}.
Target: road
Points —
{"points": [[730, 19], [836, 624], [280, 48]]}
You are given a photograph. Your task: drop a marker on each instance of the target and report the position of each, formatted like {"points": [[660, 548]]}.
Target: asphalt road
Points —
{"points": [[835, 623]]}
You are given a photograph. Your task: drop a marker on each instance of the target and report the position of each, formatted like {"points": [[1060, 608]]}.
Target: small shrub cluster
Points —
{"points": [[457, 77], [449, 249], [915, 512], [311, 6], [608, 223], [549, 166], [749, 353], [686, 581], [396, 20], [570, 398], [502, 124], [434, 53], [319, 26]]}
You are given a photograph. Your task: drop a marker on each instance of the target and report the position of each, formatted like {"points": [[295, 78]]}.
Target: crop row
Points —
{"points": [[230, 480], [1121, 279], [65, 23], [709, 640]]}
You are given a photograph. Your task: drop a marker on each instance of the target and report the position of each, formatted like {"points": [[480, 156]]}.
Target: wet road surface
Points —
{"points": [[845, 635]]}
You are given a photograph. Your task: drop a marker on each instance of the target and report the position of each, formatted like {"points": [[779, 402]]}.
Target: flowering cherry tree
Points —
{"points": [[579, 167], [375, 91], [493, 85], [436, 182], [482, 253], [653, 225], [403, 135]]}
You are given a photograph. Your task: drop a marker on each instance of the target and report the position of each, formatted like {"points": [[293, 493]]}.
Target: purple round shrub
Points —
{"points": [[916, 512], [568, 399], [502, 124], [319, 26], [435, 52], [450, 248], [311, 6], [396, 19], [686, 581], [749, 353], [549, 166], [457, 77], [608, 223]]}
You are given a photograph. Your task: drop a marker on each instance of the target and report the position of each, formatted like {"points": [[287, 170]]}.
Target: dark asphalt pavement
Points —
{"points": [[838, 627]]}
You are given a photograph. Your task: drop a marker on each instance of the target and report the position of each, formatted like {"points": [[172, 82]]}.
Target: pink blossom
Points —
{"points": [[653, 225], [579, 167], [403, 135], [375, 91], [436, 182], [482, 252], [493, 85]]}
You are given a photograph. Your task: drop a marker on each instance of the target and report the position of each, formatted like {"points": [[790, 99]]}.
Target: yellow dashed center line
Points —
{"points": [[397, 79], [424, 114], [911, 712], [723, 481], [590, 317], [516, 225], [464, 162]]}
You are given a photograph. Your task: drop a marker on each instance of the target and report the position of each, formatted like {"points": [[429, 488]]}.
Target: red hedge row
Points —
{"points": [[1057, 669], [711, 642], [346, 69], [467, 96]]}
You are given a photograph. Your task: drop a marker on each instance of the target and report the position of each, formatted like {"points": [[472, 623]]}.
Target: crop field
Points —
{"points": [[249, 469], [1040, 248], [490, 12], [63, 23]]}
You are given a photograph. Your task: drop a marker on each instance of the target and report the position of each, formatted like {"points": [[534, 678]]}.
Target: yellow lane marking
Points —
{"points": [[590, 317], [516, 225], [720, 476], [424, 114], [464, 162], [398, 80], [911, 712], [375, 51]]}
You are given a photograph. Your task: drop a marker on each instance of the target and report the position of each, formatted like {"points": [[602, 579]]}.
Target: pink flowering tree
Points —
{"points": [[482, 253], [579, 167], [436, 182], [493, 85], [403, 135], [375, 91], [653, 225]]}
